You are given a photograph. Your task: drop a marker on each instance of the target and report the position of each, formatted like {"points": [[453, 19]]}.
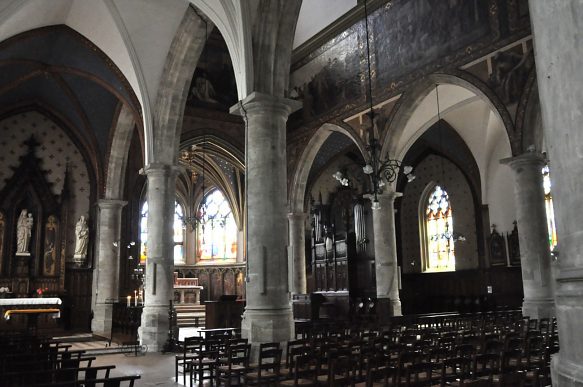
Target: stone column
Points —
{"points": [[533, 235], [106, 274], [240, 246], [160, 261], [557, 27], [297, 239], [268, 315], [385, 251]]}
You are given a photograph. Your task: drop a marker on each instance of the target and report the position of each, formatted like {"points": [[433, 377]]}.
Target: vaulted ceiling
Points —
{"points": [[58, 71]]}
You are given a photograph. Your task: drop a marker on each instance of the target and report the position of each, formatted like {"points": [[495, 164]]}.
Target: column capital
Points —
{"points": [[110, 203], [297, 216], [161, 169], [385, 197], [261, 102], [535, 159]]}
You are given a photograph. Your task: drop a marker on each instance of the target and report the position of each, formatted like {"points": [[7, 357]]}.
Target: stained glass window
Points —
{"points": [[144, 233], [439, 232], [217, 232], [549, 207], [178, 229]]}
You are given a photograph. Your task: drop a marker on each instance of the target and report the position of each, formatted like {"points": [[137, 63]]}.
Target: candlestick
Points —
{"points": [[129, 300], [142, 297], [135, 298]]}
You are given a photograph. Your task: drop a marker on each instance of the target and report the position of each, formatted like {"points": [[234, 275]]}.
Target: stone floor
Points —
{"points": [[156, 369]]}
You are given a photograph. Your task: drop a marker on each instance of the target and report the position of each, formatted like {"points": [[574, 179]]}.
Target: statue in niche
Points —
{"points": [[23, 232], [81, 238]]}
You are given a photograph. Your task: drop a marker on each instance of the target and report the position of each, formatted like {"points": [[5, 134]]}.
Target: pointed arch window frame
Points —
{"points": [[549, 207], [426, 266], [178, 231], [225, 220]]}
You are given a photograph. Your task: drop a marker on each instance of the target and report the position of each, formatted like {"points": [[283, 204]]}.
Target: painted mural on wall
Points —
{"points": [[414, 34], [50, 247], [213, 83], [418, 32], [331, 77], [510, 70]]}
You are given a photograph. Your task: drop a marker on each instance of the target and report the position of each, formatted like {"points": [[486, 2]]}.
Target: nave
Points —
{"points": [[492, 349]]}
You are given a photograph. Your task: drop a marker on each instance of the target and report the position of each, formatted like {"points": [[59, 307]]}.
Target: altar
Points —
{"points": [[12, 306], [187, 290], [31, 308]]}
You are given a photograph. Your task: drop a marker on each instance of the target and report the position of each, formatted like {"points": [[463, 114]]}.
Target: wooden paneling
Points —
{"points": [[462, 291], [77, 301], [216, 280]]}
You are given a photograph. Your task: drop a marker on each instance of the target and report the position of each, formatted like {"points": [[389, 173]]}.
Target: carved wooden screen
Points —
{"points": [[513, 246], [497, 247]]}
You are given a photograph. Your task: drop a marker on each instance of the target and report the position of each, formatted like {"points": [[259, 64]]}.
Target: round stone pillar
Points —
{"points": [[533, 235], [160, 260], [297, 238], [385, 251], [268, 315], [106, 275], [558, 43]]}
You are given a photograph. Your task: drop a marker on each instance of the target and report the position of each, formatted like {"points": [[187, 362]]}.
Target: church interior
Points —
{"points": [[398, 178]]}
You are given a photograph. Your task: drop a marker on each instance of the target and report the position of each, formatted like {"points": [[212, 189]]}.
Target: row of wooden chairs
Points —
{"points": [[31, 361]]}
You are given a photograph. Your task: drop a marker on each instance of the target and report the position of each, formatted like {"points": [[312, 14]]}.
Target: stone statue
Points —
{"points": [[81, 238], [23, 232]]}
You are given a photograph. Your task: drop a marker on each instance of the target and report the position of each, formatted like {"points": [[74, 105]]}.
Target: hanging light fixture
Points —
{"points": [[380, 171], [189, 156], [449, 235]]}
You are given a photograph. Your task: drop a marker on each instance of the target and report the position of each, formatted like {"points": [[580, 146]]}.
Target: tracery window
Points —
{"points": [[178, 232], [144, 233], [438, 251], [549, 208], [217, 230], [178, 227]]}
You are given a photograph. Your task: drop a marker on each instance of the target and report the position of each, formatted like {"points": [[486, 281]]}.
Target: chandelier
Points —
{"points": [[189, 156], [381, 171]]}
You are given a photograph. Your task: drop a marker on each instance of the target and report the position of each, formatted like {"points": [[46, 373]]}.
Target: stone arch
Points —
{"points": [[412, 99], [215, 146], [185, 50], [231, 23], [118, 153], [528, 116], [181, 61], [300, 178]]}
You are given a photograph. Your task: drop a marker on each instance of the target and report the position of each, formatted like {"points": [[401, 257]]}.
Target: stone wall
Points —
{"points": [[434, 169]]}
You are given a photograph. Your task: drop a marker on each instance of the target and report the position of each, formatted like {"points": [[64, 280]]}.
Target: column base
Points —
{"points": [[396, 307], [387, 308], [154, 328], [101, 322], [268, 325], [565, 373], [537, 309]]}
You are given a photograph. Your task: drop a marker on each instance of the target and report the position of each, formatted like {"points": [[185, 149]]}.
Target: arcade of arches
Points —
{"points": [[226, 140]]}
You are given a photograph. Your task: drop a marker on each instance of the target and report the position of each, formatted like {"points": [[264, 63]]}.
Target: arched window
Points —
{"points": [[144, 233], [178, 227], [178, 234], [549, 207], [217, 231], [438, 241]]}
